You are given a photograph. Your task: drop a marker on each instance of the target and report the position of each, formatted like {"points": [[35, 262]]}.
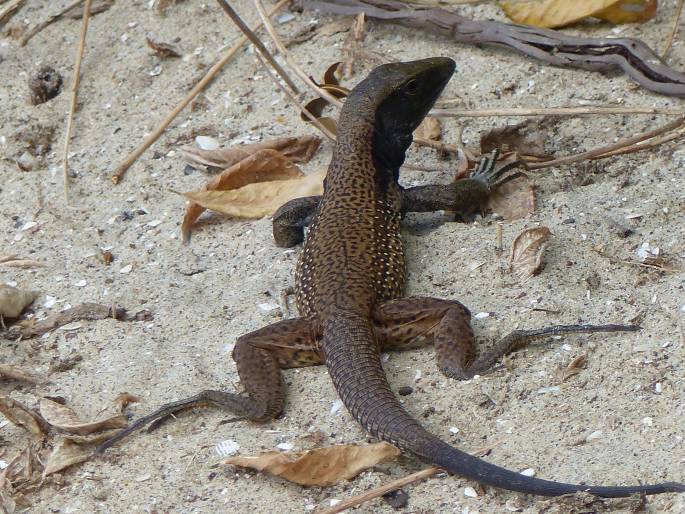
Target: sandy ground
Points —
{"points": [[205, 295]]}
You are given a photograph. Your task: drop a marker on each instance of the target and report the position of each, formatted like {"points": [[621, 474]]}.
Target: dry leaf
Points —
{"points": [[65, 454], [163, 50], [429, 128], [259, 200], [65, 419], [334, 27], [525, 138], [297, 149], [574, 367], [316, 106], [320, 467], [13, 301], [527, 250], [557, 13], [265, 165], [22, 416], [21, 474], [514, 198], [14, 373]]}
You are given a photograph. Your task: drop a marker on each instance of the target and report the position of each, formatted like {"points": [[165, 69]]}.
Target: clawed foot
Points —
{"points": [[488, 172]]}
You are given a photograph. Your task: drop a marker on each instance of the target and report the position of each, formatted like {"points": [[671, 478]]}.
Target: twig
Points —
{"points": [[50, 19], [674, 29], [74, 92], [10, 9], [295, 101], [209, 76], [554, 111], [605, 151], [616, 260], [384, 489], [630, 55], [257, 42], [291, 62]]}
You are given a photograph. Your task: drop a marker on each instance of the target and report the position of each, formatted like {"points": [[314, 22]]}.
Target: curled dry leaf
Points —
{"points": [[320, 467], [66, 420], [429, 128], [574, 367], [514, 198], [13, 300], [525, 139], [527, 251], [557, 13], [297, 149], [64, 454], [14, 373], [24, 417], [259, 200], [262, 167], [163, 50], [316, 106], [21, 474]]}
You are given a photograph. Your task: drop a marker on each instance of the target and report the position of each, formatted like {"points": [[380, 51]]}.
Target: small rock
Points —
{"points": [[470, 492], [529, 472], [405, 390], [285, 447], [81, 283], [126, 269], [44, 85], [226, 448], [396, 499]]}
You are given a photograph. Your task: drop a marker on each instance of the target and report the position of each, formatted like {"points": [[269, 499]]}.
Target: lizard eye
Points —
{"points": [[411, 87]]}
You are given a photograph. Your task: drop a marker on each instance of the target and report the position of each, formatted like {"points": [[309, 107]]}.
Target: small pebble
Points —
{"points": [[81, 283], [286, 447], [126, 269], [334, 502], [28, 225], [405, 390], [648, 421], [454, 430], [337, 405], [594, 435], [482, 315], [154, 223], [529, 472]]}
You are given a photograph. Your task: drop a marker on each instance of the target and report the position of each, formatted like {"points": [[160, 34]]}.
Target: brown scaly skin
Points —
{"points": [[350, 279]]}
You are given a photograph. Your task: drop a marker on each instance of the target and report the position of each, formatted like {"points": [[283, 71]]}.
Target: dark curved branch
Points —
{"points": [[632, 56]]}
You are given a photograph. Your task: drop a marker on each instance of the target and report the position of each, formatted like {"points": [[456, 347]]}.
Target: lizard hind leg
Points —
{"points": [[259, 357], [446, 323]]}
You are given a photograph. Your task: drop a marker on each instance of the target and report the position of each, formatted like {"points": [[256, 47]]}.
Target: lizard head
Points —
{"points": [[402, 94]]}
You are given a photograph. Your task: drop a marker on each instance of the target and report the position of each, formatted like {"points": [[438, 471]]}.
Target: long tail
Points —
{"points": [[354, 365]]}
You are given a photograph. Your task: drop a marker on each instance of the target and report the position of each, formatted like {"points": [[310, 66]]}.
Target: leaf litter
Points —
{"points": [[527, 252], [322, 466]]}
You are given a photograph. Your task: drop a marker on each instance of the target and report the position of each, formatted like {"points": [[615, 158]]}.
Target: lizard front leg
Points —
{"points": [[446, 323], [291, 218], [259, 357], [464, 196]]}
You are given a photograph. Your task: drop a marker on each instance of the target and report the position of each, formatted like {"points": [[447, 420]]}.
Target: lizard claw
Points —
{"points": [[488, 172]]}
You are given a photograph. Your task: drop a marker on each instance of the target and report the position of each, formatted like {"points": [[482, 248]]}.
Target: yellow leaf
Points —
{"points": [[628, 11], [557, 13], [320, 467], [260, 199]]}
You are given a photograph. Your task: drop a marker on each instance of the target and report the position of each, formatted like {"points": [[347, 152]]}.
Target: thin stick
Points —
{"points": [[647, 145], [10, 8], [674, 29], [74, 92], [384, 489], [295, 101], [600, 152], [286, 55], [50, 19], [213, 71], [258, 43], [555, 111]]}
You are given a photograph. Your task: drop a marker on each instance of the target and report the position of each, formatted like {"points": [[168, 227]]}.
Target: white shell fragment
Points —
{"points": [[529, 472], [286, 447], [337, 405], [207, 143], [226, 448], [470, 492], [482, 315], [594, 435], [81, 283], [126, 269]]}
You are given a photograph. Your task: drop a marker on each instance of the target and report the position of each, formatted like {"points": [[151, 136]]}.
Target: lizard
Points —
{"points": [[350, 279]]}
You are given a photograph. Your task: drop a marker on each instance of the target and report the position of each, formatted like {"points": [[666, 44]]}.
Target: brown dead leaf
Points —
{"points": [[13, 300], [320, 467], [64, 454], [64, 419], [316, 106], [527, 251], [14, 373], [514, 198], [21, 474], [574, 367], [429, 128], [259, 200], [163, 50], [263, 166], [297, 149], [24, 417], [525, 138], [334, 27], [557, 13]]}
